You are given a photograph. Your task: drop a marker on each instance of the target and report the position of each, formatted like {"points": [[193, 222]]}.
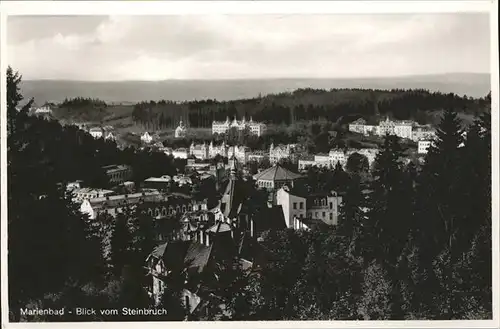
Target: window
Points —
{"points": [[331, 216], [324, 215], [331, 205], [301, 206], [316, 214], [295, 205]]}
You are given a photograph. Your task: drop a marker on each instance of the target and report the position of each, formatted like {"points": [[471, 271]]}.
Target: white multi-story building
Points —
{"points": [[255, 128], [358, 126], [180, 131], [423, 146], [96, 132], [214, 150], [276, 153], [341, 155], [239, 152], [306, 162], [200, 151], [322, 160], [298, 210], [81, 194], [257, 156], [43, 110], [180, 153], [146, 138], [423, 133], [338, 155], [402, 129]]}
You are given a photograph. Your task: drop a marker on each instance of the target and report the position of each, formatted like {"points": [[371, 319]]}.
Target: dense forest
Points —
{"points": [[308, 105], [412, 243]]}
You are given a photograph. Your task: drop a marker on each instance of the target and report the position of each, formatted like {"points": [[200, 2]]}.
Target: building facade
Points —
{"points": [[276, 153], [239, 152], [423, 146], [146, 138], [255, 128], [299, 209], [180, 131], [199, 151], [402, 129], [96, 132], [118, 174], [214, 150], [81, 194]]}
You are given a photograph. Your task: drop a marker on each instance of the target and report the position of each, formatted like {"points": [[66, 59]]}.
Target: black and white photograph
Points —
{"points": [[267, 166]]}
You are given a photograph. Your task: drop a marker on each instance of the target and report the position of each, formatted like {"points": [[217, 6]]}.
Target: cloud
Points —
{"points": [[247, 46]]}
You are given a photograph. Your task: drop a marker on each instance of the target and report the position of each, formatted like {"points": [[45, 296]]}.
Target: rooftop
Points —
{"points": [[276, 173], [163, 179], [116, 200], [88, 190]]}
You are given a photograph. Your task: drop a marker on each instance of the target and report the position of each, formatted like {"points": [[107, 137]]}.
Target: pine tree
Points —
{"points": [[438, 186], [120, 243], [390, 214]]}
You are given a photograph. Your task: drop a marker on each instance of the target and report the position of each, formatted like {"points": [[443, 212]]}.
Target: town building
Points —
{"points": [[357, 126], [200, 151], [74, 185], [402, 129], [275, 177], [257, 156], [254, 128], [305, 162], [180, 153], [301, 210], [114, 204], [322, 160], [153, 203], [228, 235], [239, 152], [80, 194], [182, 180], [277, 153], [146, 138], [180, 131], [423, 146], [96, 132], [214, 150], [118, 174], [423, 133], [158, 183], [342, 155], [43, 110]]}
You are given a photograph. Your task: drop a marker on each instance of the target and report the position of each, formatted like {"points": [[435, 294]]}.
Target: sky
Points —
{"points": [[116, 48]]}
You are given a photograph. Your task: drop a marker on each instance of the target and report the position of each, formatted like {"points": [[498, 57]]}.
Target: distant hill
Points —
{"points": [[470, 84]]}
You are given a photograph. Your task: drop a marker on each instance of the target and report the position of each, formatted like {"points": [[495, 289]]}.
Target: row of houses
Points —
{"points": [[242, 153]]}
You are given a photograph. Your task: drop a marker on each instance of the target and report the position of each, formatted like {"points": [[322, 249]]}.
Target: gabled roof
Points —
{"points": [[220, 227], [177, 254], [234, 195], [197, 255], [276, 173]]}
